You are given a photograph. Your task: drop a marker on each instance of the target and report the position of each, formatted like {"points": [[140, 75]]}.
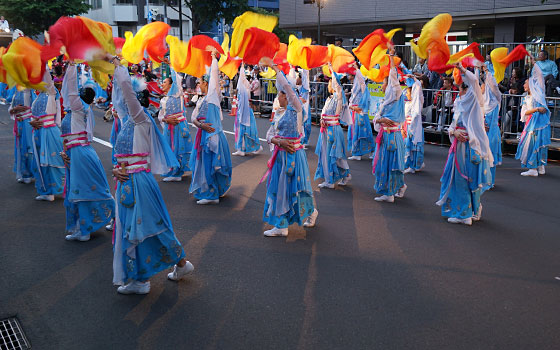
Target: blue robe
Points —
{"points": [[88, 201], [389, 176], [48, 167], [460, 196], [246, 133], [330, 149], [181, 143], [23, 140]]}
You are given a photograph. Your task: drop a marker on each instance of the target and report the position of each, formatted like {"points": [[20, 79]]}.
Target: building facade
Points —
{"points": [[130, 15], [481, 21]]}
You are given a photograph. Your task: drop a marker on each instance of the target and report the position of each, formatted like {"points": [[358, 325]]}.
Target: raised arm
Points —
{"points": [[285, 86], [51, 93], [71, 83], [135, 110]]}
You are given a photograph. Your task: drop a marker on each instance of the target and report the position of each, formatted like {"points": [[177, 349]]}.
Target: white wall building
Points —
{"points": [[130, 15]]}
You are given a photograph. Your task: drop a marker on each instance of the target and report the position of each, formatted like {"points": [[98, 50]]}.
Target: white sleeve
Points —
{"points": [[71, 79], [135, 110], [290, 94]]}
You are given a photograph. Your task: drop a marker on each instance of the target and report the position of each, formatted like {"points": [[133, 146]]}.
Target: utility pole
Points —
{"points": [[149, 17], [318, 22], [181, 19]]}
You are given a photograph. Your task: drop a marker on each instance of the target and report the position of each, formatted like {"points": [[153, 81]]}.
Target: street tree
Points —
{"points": [[209, 11], [35, 16]]}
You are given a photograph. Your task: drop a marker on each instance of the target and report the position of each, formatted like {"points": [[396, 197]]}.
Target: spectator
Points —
{"points": [[512, 86], [549, 72], [4, 25], [443, 101], [255, 92], [338, 42], [421, 68], [224, 86]]}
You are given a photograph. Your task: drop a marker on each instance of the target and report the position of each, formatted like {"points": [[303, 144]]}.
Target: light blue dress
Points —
{"points": [[303, 93], [145, 242], [533, 146], [246, 133], [492, 100], [23, 138], [389, 155], [289, 196], [177, 136], [49, 167], [88, 201], [332, 165], [210, 161], [466, 175], [414, 141], [118, 123], [360, 135]]}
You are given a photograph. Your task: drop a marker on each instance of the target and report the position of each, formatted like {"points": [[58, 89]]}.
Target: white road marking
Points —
{"points": [[103, 142]]}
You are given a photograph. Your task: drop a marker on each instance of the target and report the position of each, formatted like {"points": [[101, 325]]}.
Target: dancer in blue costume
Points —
{"points": [[492, 99], [533, 147], [388, 162], [246, 135], [49, 166], [467, 171], [303, 90], [144, 243], [210, 161], [332, 165], [360, 135], [20, 112], [118, 122], [88, 200], [175, 126], [289, 195], [413, 130]]}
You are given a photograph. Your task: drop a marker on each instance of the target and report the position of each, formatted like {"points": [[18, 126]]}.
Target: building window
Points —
{"points": [[126, 2], [96, 4]]}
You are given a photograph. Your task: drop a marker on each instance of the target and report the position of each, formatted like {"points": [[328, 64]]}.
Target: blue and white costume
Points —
{"points": [[23, 139], [145, 243], [332, 165], [178, 137], [467, 171], [533, 146], [88, 201], [388, 162], [360, 135], [49, 167], [289, 195], [118, 122], [210, 160], [414, 141], [492, 99], [303, 94], [246, 135]]}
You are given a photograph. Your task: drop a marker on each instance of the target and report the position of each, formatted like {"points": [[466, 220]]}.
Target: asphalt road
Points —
{"points": [[369, 276]]}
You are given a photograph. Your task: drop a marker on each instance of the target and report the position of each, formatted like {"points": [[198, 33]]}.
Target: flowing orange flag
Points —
{"points": [[473, 49], [228, 65], [432, 45], [256, 44], [79, 38], [150, 38], [379, 74], [23, 63], [281, 58], [3, 73], [373, 49], [243, 23], [119, 43], [82, 39], [501, 59], [193, 57], [340, 58]]}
